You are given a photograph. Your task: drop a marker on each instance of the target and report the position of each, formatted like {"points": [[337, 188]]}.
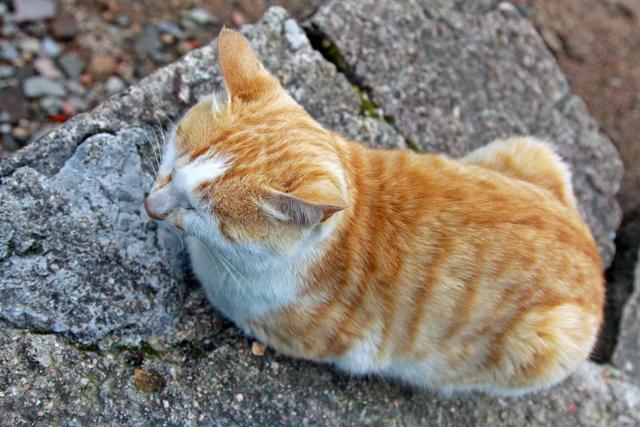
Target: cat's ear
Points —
{"points": [[308, 205], [243, 73]]}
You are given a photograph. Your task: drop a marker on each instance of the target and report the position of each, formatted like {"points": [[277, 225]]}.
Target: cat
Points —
{"points": [[470, 274]]}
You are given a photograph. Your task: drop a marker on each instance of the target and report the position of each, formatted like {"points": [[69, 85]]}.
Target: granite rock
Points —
{"points": [[100, 323], [456, 75], [47, 380]]}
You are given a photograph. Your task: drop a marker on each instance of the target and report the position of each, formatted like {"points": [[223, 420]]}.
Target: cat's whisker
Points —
{"points": [[157, 149], [216, 256], [182, 245], [154, 165]]}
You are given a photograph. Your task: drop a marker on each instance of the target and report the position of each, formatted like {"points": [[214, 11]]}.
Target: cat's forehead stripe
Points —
{"points": [[203, 170]]}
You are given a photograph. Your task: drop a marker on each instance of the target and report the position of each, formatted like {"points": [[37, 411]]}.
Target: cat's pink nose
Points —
{"points": [[160, 203]]}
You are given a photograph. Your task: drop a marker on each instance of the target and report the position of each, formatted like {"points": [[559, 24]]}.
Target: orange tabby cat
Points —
{"points": [[476, 273]]}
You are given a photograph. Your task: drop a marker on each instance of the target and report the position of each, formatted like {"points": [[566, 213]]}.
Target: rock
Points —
{"points": [[123, 20], [6, 71], [37, 86], [627, 353], [50, 47], [21, 133], [114, 84], [64, 26], [29, 45], [149, 43], [99, 324], [13, 106], [456, 77], [73, 64], [51, 105], [10, 28], [33, 10], [201, 16], [46, 67], [8, 52], [102, 65], [227, 385], [171, 28]]}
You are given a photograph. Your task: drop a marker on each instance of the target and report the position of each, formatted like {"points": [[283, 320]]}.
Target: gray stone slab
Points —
{"points": [[456, 75], [46, 380]]}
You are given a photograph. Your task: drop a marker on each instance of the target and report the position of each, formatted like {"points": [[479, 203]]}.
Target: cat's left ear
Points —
{"points": [[243, 73], [307, 206]]}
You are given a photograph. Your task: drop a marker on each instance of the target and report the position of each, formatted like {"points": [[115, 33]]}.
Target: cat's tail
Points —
{"points": [[530, 160]]}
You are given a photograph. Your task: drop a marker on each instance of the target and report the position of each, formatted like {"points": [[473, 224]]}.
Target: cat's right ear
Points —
{"points": [[308, 206], [244, 75]]}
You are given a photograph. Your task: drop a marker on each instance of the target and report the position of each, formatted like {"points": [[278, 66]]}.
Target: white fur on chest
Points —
{"points": [[239, 294]]}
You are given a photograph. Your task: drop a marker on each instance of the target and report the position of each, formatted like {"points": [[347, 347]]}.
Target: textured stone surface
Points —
{"points": [[627, 353], [99, 324], [227, 385], [77, 254], [456, 75]]}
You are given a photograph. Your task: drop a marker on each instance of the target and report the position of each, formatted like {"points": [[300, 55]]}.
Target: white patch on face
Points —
{"points": [[200, 170]]}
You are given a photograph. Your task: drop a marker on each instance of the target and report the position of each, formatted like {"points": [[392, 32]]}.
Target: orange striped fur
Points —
{"points": [[477, 273]]}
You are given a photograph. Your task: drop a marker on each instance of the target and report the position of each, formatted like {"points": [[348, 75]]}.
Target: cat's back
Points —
{"points": [[434, 191], [443, 207]]}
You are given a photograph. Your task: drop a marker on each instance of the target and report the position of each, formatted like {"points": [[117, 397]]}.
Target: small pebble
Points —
{"points": [[102, 65], [5, 128], [37, 86], [51, 104], [20, 133], [238, 18], [33, 10], [114, 84], [169, 27], [6, 71], [64, 26], [149, 43], [68, 108], [8, 52], [73, 64], [200, 16], [123, 21], [168, 39], [30, 45], [50, 47], [76, 88], [46, 67], [257, 349], [239, 397]]}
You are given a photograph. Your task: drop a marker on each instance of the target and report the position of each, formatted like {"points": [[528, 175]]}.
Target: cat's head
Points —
{"points": [[252, 173]]}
